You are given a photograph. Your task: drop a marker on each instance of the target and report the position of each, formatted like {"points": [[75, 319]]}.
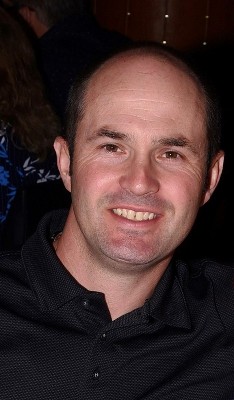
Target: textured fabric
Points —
{"points": [[19, 168], [68, 48], [57, 340]]}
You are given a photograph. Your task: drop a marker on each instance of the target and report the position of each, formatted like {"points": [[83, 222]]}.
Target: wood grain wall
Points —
{"points": [[183, 24]]}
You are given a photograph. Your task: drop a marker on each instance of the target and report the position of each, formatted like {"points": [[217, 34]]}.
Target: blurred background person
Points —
{"points": [[69, 40], [28, 123]]}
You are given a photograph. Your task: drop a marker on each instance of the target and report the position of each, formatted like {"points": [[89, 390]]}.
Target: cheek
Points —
{"points": [[90, 176], [186, 189]]}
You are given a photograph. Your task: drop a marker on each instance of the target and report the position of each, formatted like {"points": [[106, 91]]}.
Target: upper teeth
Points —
{"points": [[134, 215]]}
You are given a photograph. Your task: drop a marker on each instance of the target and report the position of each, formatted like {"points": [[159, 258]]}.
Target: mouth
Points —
{"points": [[134, 215]]}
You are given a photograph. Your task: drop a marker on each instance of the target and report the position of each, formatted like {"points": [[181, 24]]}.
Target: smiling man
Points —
{"points": [[97, 306]]}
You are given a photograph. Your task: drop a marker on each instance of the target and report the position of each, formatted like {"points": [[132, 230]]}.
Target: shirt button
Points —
{"points": [[85, 303], [96, 374], [104, 336]]}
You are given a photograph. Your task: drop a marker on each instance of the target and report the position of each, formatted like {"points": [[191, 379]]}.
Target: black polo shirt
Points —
{"points": [[57, 340]]}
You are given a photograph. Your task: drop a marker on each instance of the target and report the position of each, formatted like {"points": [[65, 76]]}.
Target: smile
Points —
{"points": [[134, 215]]}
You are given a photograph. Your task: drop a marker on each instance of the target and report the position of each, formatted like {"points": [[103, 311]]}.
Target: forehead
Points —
{"points": [[139, 72], [145, 88]]}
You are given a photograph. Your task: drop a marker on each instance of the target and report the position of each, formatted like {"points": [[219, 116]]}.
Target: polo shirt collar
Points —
{"points": [[168, 302], [53, 285]]}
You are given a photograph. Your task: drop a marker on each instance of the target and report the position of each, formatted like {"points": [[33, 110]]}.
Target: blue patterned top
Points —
{"points": [[19, 168]]}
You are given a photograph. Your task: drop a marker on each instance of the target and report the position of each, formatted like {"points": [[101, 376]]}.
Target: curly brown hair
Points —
{"points": [[23, 100]]}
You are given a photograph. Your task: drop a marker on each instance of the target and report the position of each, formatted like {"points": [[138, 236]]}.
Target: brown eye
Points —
{"points": [[171, 154], [111, 148]]}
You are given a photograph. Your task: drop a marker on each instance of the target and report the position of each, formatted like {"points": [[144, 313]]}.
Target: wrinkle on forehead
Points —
{"points": [[144, 74], [144, 65]]}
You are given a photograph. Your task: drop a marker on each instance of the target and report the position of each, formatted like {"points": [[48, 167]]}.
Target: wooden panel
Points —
{"points": [[111, 14], [186, 28], [146, 20], [221, 21], [186, 23]]}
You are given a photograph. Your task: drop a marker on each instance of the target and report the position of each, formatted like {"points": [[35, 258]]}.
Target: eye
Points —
{"points": [[111, 148], [171, 154]]}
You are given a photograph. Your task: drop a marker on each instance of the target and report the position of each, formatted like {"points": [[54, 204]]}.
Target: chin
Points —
{"points": [[133, 257]]}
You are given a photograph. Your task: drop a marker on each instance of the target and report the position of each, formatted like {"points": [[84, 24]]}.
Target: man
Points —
{"points": [[69, 40], [96, 305]]}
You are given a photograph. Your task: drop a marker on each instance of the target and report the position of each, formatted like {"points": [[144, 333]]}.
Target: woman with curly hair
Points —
{"points": [[28, 124]]}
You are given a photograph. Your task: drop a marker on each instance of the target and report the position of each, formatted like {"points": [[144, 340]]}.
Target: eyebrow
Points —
{"points": [[172, 141], [180, 141], [103, 132], [177, 142]]}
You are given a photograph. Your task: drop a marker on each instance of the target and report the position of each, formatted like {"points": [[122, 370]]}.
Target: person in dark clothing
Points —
{"points": [[28, 122], [97, 304], [69, 40]]}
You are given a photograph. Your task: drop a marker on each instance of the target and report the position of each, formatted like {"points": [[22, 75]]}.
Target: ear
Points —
{"points": [[214, 175], [26, 14], [63, 161], [32, 19]]}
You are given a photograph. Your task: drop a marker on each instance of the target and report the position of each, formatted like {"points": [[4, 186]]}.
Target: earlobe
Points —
{"points": [[63, 161], [214, 176]]}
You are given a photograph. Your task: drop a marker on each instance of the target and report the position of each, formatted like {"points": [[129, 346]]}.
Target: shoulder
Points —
{"points": [[220, 274], [12, 276], [218, 278], [10, 264]]}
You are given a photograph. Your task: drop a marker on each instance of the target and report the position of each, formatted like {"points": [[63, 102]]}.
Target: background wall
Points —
{"points": [[183, 24]]}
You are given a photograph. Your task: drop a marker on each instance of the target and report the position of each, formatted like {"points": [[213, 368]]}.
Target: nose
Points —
{"points": [[140, 178]]}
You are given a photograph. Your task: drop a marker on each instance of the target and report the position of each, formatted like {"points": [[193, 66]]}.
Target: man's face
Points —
{"points": [[139, 162]]}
